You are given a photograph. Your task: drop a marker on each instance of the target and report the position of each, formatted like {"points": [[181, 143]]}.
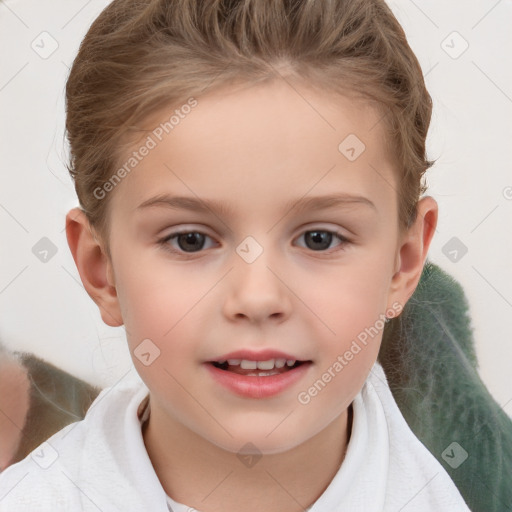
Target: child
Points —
{"points": [[288, 139]]}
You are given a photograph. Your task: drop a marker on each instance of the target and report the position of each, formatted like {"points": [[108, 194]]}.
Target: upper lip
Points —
{"points": [[257, 355]]}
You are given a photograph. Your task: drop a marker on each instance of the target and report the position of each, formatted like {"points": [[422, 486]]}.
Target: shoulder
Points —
{"points": [[99, 462], [415, 479]]}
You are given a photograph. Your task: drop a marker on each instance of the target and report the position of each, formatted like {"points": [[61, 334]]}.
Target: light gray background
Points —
{"points": [[43, 306]]}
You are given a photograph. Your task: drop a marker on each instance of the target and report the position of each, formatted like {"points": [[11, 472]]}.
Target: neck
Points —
{"points": [[199, 474]]}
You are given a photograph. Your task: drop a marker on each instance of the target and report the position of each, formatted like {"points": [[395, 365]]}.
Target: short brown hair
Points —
{"points": [[141, 55]]}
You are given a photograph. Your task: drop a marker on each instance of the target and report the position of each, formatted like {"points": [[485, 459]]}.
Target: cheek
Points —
{"points": [[154, 297], [348, 324], [349, 298], [162, 304]]}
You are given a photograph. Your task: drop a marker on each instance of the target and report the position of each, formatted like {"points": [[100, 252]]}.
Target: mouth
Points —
{"points": [[252, 368], [258, 374]]}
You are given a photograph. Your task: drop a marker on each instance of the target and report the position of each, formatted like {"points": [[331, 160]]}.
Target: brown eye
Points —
{"points": [[185, 242], [321, 239], [318, 240], [190, 242]]}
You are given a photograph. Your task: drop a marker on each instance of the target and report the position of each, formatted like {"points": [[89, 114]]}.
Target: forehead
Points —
{"points": [[277, 139], [247, 112]]}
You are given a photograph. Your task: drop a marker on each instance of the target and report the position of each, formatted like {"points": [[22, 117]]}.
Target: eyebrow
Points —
{"points": [[221, 208]]}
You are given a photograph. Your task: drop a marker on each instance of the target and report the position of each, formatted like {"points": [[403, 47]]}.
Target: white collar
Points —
{"points": [[101, 462]]}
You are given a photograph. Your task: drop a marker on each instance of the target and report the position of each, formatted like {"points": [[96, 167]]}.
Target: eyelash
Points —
{"points": [[164, 242]]}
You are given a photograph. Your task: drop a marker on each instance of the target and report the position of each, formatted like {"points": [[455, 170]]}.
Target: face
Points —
{"points": [[282, 246]]}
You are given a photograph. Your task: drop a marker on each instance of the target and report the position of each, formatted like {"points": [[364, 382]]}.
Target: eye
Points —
{"points": [[182, 242], [186, 241], [321, 239]]}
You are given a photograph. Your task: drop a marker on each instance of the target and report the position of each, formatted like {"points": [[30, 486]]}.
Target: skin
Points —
{"points": [[14, 403], [254, 149]]}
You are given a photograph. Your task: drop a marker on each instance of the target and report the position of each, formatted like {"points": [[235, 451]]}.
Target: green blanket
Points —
{"points": [[429, 359]]}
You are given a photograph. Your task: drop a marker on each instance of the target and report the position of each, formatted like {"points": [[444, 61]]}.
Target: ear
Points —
{"points": [[412, 252], [94, 266]]}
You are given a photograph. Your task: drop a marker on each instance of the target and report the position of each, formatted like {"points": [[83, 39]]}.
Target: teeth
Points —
{"points": [[247, 364], [262, 374], [266, 365]]}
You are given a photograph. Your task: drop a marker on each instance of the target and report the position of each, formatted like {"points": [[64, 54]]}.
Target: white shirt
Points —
{"points": [[101, 464]]}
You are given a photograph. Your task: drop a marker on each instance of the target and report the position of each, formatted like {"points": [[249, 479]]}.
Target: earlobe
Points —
{"points": [[413, 251], [94, 266]]}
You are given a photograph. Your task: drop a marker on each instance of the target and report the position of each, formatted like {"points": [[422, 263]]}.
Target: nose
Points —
{"points": [[257, 293]]}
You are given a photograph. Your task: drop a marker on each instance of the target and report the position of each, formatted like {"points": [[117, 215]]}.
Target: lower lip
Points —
{"points": [[256, 386]]}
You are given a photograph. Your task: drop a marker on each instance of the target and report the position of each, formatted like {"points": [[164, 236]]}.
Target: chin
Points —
{"points": [[258, 443]]}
